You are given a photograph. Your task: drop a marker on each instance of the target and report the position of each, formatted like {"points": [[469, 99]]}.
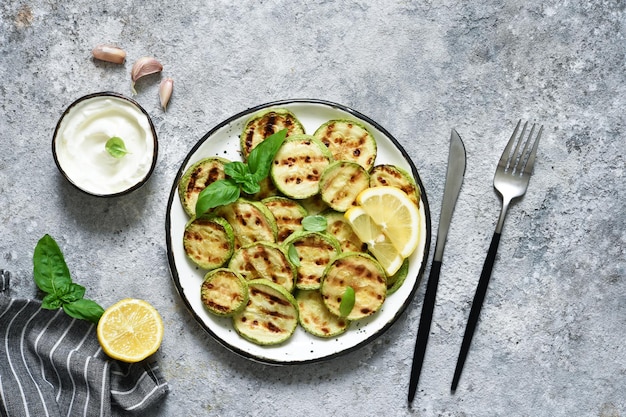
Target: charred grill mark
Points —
{"points": [[256, 292]]}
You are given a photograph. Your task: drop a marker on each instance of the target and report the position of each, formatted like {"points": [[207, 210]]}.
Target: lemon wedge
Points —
{"points": [[130, 330], [395, 213], [377, 242]]}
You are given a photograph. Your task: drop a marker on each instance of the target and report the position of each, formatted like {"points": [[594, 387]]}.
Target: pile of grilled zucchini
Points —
{"points": [[264, 268]]}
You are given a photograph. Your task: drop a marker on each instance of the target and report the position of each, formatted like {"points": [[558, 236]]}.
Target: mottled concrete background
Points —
{"points": [[551, 336]]}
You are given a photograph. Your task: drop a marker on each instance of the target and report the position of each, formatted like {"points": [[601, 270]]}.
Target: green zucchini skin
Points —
{"points": [[251, 222], [264, 124], [349, 140], [315, 250], [366, 277], [196, 178], [224, 292], [298, 166], [341, 183], [288, 214], [270, 316], [396, 280], [262, 260], [391, 175], [208, 241], [315, 317]]}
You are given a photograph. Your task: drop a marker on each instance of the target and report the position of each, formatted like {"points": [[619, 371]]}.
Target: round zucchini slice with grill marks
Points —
{"points": [[391, 175], [298, 166], [264, 124], [315, 251], [338, 226], [264, 261], [251, 222], [366, 277], [315, 317], [208, 241], [224, 292], [288, 214], [271, 315], [341, 182], [349, 140], [196, 178]]}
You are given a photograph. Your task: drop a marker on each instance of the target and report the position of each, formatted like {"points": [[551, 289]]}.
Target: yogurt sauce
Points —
{"points": [[80, 144]]}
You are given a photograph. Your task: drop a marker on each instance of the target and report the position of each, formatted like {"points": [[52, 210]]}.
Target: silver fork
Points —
{"points": [[511, 181]]}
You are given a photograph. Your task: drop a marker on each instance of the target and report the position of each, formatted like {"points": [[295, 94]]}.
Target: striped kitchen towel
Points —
{"points": [[52, 365]]}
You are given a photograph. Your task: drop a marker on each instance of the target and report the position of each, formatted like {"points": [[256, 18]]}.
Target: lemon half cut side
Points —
{"points": [[130, 330]]}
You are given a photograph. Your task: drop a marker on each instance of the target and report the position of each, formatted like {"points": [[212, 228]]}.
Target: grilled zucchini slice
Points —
{"points": [[251, 222], [341, 182], [385, 175], [396, 280], [224, 292], [288, 214], [196, 178], [338, 226], [349, 140], [314, 205], [298, 166], [315, 317], [271, 315], [366, 277], [264, 124], [264, 261], [315, 250], [208, 241]]}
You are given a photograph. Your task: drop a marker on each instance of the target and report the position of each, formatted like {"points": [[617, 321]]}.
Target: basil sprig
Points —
{"points": [[52, 276], [315, 223], [241, 176]]}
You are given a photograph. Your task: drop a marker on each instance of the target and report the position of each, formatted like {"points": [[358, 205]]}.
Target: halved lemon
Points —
{"points": [[377, 242], [395, 213], [130, 330]]}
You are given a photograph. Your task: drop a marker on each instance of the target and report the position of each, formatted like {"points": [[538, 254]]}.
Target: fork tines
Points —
{"points": [[523, 161]]}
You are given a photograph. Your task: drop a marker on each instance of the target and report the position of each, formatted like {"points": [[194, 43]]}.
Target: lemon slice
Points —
{"points": [[377, 242], [398, 216], [130, 330]]}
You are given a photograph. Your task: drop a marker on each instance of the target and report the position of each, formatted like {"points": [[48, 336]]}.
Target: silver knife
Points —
{"points": [[454, 179]]}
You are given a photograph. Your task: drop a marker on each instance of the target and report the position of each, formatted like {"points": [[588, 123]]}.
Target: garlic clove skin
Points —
{"points": [[165, 91], [142, 67], [109, 53]]}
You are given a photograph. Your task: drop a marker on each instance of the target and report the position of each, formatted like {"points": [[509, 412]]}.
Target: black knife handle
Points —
{"points": [[424, 327], [477, 304]]}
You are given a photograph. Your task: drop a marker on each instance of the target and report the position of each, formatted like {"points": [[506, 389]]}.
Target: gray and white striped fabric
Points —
{"points": [[52, 365]]}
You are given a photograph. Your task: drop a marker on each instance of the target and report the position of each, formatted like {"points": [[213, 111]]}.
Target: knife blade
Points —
{"points": [[454, 178]]}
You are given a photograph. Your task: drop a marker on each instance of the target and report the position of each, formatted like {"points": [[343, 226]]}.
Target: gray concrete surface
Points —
{"points": [[551, 337]]}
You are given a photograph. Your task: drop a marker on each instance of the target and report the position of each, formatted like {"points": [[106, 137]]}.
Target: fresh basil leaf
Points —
{"points": [[347, 302], [238, 171], [261, 157], [84, 309], [51, 302], [218, 193], [72, 293], [292, 253], [49, 268], [116, 147], [316, 223]]}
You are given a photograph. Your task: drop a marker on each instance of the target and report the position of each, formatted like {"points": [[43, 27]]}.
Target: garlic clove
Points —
{"points": [[109, 53], [142, 67], [165, 91]]}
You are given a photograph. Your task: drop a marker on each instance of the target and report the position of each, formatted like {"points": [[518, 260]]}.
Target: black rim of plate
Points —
{"points": [[174, 193]]}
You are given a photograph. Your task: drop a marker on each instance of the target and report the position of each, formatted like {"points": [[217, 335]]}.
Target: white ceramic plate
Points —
{"points": [[223, 140]]}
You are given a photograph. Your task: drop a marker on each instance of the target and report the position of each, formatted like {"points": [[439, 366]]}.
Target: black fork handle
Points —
{"points": [[477, 304]]}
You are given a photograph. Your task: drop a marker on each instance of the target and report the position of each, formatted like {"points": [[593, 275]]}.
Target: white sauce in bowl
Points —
{"points": [[81, 136]]}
